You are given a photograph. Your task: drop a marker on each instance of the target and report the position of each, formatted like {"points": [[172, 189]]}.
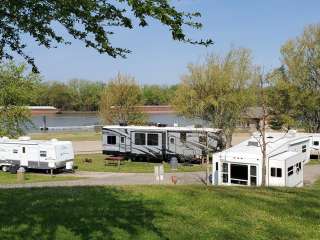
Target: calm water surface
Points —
{"points": [[88, 119]]}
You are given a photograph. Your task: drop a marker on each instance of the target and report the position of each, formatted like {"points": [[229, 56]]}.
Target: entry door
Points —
{"points": [[122, 144], [23, 156]]}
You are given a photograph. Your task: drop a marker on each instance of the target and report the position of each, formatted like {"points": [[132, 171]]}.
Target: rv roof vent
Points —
{"points": [[24, 138], [161, 125], [123, 124], [270, 137], [292, 133], [253, 143]]}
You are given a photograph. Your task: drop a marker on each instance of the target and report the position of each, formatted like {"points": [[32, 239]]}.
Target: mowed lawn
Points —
{"points": [[97, 164], [160, 212], [68, 136], [8, 178]]}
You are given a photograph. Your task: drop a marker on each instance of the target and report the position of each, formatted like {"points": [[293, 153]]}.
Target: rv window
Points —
{"points": [[172, 140], [23, 150], [225, 167], [217, 166], [253, 143], [203, 140], [290, 171], [122, 139], [298, 166], [276, 172], [140, 139], [304, 148], [316, 143], [253, 175], [15, 151], [112, 140], [43, 153], [183, 137], [225, 175], [153, 139]]}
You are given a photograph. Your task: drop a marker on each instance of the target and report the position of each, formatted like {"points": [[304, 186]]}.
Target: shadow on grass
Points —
{"points": [[77, 213]]}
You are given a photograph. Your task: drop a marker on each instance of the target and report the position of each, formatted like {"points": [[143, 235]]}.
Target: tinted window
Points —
{"points": [[273, 172], [112, 140], [290, 171], [122, 140], [279, 172], [304, 148], [23, 150], [183, 137], [43, 153], [153, 139], [140, 139], [172, 140], [316, 143]]}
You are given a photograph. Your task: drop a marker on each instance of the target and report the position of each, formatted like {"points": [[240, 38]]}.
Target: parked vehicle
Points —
{"points": [[35, 154], [242, 163], [160, 142]]}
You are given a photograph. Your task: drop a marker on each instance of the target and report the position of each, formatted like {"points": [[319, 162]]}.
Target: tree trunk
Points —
{"points": [[264, 146], [228, 140]]}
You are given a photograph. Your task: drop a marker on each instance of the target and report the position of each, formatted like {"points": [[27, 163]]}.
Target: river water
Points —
{"points": [[88, 119]]}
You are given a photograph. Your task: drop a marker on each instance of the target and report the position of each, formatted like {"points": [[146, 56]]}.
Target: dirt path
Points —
{"points": [[87, 147], [311, 173], [101, 179]]}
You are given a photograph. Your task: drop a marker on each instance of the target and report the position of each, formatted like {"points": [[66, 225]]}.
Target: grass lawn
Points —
{"points": [[98, 165], [8, 178], [313, 162], [68, 136], [160, 212]]}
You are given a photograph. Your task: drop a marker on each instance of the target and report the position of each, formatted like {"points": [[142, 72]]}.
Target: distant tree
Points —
{"points": [[218, 91], [85, 94], [91, 21], [58, 95], [119, 101], [158, 95], [17, 89], [301, 60]]}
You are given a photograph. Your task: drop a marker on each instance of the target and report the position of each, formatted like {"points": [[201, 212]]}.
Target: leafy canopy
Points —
{"points": [[91, 21], [17, 88]]}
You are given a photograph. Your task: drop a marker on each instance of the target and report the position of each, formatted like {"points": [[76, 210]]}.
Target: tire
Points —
{"points": [[5, 168]]}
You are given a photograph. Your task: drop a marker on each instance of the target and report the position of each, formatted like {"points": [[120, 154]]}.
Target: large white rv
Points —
{"points": [[160, 143], [242, 163], [35, 154]]}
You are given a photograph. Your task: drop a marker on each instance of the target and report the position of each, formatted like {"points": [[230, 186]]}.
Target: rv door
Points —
{"points": [[23, 156]]}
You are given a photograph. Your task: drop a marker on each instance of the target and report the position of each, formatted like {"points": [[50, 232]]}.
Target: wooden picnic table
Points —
{"points": [[113, 160]]}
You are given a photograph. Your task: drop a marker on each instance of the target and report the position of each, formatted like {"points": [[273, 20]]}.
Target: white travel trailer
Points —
{"points": [[162, 143], [242, 163], [314, 144], [35, 154]]}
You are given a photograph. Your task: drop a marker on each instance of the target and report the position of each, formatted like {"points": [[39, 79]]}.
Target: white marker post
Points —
{"points": [[159, 173]]}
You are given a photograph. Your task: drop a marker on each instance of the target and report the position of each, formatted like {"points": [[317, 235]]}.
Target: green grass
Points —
{"points": [[160, 212], [314, 162], [68, 136], [8, 178], [98, 165]]}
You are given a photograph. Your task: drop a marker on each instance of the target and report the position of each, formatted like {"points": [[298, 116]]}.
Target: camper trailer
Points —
{"points": [[160, 142], [35, 154], [242, 163]]}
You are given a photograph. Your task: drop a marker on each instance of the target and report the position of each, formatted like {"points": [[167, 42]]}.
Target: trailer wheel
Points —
{"points": [[5, 168]]}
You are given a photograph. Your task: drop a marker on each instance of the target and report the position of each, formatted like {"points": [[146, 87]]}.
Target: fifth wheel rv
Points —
{"points": [[35, 154], [161, 143]]}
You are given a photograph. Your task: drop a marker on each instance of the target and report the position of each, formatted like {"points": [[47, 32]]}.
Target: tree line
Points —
{"points": [[85, 95]]}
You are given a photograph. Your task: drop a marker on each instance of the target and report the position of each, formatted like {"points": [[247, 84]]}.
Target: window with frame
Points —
{"points": [[298, 166], [304, 148], [23, 149], [253, 175], [153, 139], [122, 139], [276, 172], [140, 139], [316, 143], [290, 171], [111, 140], [183, 137], [225, 173], [43, 154], [171, 140]]}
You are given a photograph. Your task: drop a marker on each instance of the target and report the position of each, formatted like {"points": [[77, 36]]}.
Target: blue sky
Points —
{"points": [[262, 26]]}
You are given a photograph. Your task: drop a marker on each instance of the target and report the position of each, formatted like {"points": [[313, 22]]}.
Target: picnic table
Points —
{"points": [[114, 160]]}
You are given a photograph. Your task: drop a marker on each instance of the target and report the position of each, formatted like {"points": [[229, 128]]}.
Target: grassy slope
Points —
{"points": [[68, 136], [97, 165], [8, 178], [159, 212]]}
